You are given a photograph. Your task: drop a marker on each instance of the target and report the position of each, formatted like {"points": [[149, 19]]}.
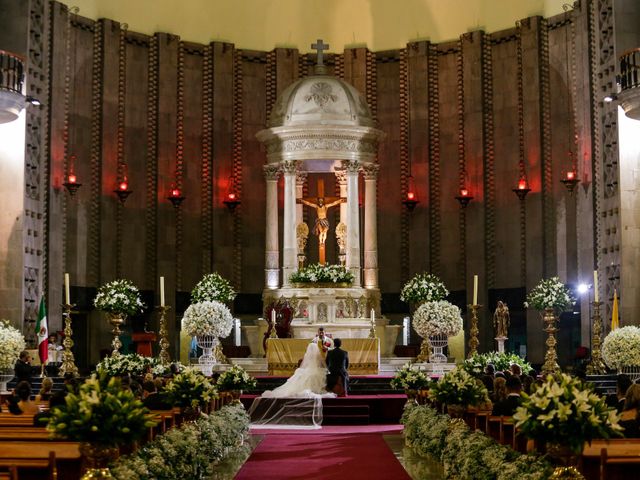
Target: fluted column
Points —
{"points": [[272, 253], [301, 177], [289, 247], [353, 220], [370, 226]]}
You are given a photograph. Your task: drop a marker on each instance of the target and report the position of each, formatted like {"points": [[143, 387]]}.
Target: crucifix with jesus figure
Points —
{"points": [[321, 205]]}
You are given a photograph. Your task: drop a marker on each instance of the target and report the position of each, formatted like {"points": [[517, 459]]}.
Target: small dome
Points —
{"points": [[320, 100]]}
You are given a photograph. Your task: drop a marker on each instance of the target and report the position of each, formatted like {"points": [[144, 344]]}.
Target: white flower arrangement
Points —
{"points": [[207, 318], [457, 387], [322, 274], [565, 411], [11, 344], [550, 293], [621, 348], [213, 287], [190, 388], [424, 287], [131, 364], [119, 297], [236, 378], [437, 318], [409, 378]]}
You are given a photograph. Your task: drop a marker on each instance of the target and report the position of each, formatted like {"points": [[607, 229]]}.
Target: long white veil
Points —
{"points": [[297, 403]]}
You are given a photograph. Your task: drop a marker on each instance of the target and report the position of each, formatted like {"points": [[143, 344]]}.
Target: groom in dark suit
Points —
{"points": [[338, 366]]}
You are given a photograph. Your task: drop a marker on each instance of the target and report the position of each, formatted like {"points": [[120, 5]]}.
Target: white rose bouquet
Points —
{"points": [[213, 287], [207, 318], [11, 344], [119, 297], [550, 293], [437, 318], [424, 287], [621, 348]]}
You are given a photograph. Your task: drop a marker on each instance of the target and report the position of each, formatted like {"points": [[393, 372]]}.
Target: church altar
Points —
{"points": [[283, 355]]}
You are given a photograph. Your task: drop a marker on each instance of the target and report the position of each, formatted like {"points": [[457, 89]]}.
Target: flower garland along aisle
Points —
{"points": [[621, 350], [410, 379], [207, 321], [118, 299], [102, 416], [552, 297], [476, 364], [424, 287], [458, 391], [561, 415], [318, 275], [437, 321], [235, 380], [190, 452], [11, 344], [466, 454]]}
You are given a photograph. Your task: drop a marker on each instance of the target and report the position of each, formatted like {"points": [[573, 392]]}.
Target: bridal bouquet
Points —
{"points": [[119, 297], [11, 344], [213, 287], [236, 378], [207, 318], [550, 293], [565, 411], [437, 318], [424, 287], [621, 348]]}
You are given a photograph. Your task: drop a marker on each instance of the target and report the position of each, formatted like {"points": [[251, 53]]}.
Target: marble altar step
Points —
{"points": [[358, 385], [345, 414]]}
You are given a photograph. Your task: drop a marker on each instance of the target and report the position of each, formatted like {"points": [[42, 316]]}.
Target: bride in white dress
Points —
{"points": [[297, 403]]}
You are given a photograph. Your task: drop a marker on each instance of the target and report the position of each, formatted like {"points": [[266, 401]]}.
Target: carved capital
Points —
{"points": [[370, 171], [352, 167], [289, 167], [271, 172], [341, 176], [301, 177]]}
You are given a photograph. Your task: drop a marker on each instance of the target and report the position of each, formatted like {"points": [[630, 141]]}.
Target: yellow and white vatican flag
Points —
{"points": [[615, 321]]}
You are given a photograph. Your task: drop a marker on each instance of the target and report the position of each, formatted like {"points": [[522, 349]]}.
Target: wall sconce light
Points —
{"points": [[465, 197], [175, 196], [522, 189], [71, 184], [231, 199], [570, 180], [122, 189], [411, 199]]}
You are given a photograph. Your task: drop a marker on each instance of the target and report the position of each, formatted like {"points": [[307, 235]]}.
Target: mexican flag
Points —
{"points": [[42, 332]]}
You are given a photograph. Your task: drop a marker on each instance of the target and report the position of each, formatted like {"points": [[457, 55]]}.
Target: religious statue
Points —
{"points": [[501, 320]]}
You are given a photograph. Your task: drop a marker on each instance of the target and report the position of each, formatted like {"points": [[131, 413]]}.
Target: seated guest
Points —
{"points": [[499, 390], [622, 385], [45, 392], [152, 399], [41, 419], [25, 404], [527, 384], [487, 378], [507, 407], [71, 383], [629, 416], [23, 367], [516, 370], [12, 405]]}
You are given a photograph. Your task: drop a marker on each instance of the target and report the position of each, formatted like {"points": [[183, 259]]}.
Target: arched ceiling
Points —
{"points": [[265, 24]]}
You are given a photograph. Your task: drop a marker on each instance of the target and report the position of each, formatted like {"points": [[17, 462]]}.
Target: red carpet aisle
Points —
{"points": [[322, 457]]}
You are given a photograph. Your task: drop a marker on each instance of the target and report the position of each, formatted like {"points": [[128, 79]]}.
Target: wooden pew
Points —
{"points": [[10, 420], [60, 459], [23, 434], [615, 459], [10, 474]]}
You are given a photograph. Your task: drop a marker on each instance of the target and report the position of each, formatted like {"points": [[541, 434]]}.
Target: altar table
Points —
{"points": [[283, 355]]}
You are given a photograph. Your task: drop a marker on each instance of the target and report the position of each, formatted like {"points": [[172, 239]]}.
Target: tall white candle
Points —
{"points": [[162, 291], [237, 335], [475, 289], [67, 295], [273, 316], [596, 297]]}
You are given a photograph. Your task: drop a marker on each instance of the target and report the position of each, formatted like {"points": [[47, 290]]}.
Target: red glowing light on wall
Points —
{"points": [[571, 175], [231, 196], [522, 184], [411, 196], [175, 192], [123, 185], [464, 192], [72, 178]]}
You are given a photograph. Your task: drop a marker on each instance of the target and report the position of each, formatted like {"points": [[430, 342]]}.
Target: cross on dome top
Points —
{"points": [[319, 47]]}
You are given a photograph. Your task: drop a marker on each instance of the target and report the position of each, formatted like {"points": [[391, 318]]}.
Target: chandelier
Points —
{"points": [[12, 101]]}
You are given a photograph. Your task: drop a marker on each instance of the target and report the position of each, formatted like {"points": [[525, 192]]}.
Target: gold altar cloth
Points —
{"points": [[283, 355]]}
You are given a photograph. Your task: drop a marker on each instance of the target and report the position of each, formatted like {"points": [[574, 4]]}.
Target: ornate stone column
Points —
{"points": [[272, 253], [370, 225], [301, 177], [289, 247], [353, 220], [341, 178]]}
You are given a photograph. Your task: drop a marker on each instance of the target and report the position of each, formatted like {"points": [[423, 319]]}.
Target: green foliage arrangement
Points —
{"points": [[466, 454], [424, 287], [190, 451], [236, 378], [457, 387], [317, 273], [101, 413], [190, 388], [213, 287], [409, 378], [501, 361], [119, 297], [550, 293], [565, 411]]}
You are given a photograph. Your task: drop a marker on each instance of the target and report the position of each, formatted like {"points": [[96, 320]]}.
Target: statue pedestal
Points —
{"points": [[144, 343], [501, 341]]}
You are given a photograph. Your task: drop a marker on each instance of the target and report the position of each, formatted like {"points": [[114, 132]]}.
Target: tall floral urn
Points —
{"points": [[207, 321], [621, 351], [11, 344], [437, 321]]}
